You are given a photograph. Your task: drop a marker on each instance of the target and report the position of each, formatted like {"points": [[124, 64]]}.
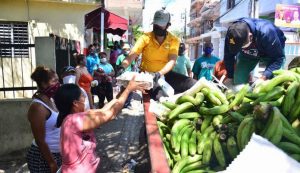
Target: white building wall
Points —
{"points": [[62, 19], [242, 9]]}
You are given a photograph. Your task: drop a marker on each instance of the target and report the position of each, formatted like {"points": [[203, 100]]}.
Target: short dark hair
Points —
{"points": [[181, 48], [79, 58], [102, 53], [208, 44], [64, 98], [42, 74]]}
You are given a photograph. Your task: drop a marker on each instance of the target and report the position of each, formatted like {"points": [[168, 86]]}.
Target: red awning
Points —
{"points": [[113, 23]]}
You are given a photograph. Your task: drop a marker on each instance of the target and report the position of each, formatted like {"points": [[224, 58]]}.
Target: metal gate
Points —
{"points": [[16, 60]]}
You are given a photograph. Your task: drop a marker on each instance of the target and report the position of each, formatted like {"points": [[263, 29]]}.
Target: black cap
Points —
{"points": [[237, 36], [68, 69]]}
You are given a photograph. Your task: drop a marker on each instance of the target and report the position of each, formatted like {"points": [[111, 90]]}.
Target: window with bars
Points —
{"points": [[14, 40]]}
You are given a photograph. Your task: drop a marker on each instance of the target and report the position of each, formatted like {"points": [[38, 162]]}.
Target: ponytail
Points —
{"points": [[60, 119]]}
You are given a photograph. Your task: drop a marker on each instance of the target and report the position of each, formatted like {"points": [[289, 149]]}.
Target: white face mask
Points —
{"points": [[69, 79], [103, 60]]}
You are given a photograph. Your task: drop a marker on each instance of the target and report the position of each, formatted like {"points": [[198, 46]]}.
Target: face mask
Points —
{"points": [[51, 90], [208, 50], [69, 79], [181, 51], [158, 31], [92, 52], [103, 60], [126, 53]]}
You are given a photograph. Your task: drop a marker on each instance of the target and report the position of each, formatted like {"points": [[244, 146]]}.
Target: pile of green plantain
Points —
{"points": [[204, 132]]}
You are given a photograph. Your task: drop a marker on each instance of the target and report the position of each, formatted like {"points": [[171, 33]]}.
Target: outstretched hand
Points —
{"points": [[134, 85]]}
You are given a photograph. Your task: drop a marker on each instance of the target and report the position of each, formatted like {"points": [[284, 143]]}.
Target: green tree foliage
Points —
{"points": [[178, 33], [137, 31]]}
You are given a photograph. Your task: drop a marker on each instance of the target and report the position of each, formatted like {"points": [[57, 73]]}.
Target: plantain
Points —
{"points": [[276, 137], [184, 162], [202, 139], [296, 157], [271, 128], [179, 138], [289, 147], [295, 110], [193, 143], [290, 98], [240, 130], [247, 132], [239, 96], [291, 136], [184, 143], [207, 151], [214, 110], [232, 147], [206, 122], [194, 166], [178, 125], [218, 151], [211, 97]]}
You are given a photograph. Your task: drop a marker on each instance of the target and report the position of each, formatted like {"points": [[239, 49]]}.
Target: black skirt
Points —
{"points": [[37, 163]]}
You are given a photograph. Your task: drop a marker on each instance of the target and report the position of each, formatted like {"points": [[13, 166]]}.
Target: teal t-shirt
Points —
{"points": [[182, 64], [121, 59], [107, 68], [204, 66]]}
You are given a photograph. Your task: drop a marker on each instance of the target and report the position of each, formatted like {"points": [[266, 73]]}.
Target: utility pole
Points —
{"points": [[184, 36], [102, 26], [183, 16], [254, 9], [102, 3]]}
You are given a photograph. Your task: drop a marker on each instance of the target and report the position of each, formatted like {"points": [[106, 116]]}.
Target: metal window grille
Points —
{"points": [[14, 40], [15, 47]]}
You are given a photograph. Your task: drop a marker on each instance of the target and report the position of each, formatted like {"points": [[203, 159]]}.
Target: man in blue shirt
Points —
{"points": [[204, 66], [252, 40], [92, 60]]}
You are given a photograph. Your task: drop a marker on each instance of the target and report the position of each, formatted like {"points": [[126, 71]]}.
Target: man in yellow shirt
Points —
{"points": [[159, 50]]}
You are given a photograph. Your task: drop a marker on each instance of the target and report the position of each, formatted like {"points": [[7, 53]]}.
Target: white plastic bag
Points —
{"points": [[159, 110]]}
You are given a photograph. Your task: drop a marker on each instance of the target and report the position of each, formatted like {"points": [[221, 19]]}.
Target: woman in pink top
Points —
{"points": [[77, 140]]}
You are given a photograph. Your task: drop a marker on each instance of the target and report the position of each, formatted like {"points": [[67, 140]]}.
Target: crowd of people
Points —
{"points": [[63, 116]]}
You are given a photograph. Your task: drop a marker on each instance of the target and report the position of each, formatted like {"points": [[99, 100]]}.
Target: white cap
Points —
{"points": [[161, 18], [126, 46]]}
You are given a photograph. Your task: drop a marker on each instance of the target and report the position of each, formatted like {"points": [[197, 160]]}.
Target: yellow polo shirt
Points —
{"points": [[154, 55]]}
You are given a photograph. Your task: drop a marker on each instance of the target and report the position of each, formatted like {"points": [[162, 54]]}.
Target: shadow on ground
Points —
{"points": [[118, 141], [124, 139]]}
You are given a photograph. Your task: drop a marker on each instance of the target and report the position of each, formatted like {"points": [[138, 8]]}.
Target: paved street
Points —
{"points": [[118, 142], [123, 139]]}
